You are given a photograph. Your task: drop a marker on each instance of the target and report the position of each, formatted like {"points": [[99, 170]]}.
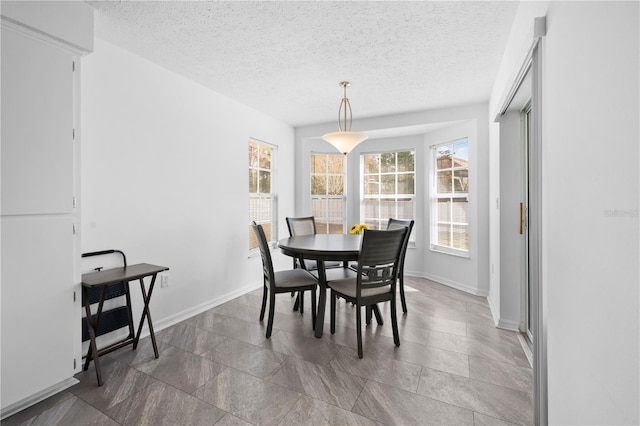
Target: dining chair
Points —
{"points": [[396, 224], [307, 226], [292, 280], [375, 282]]}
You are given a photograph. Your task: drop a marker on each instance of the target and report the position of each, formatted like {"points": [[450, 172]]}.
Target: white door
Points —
{"points": [[40, 320]]}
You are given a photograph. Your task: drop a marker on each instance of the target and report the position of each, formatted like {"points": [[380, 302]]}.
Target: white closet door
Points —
{"points": [[38, 316], [37, 125]]}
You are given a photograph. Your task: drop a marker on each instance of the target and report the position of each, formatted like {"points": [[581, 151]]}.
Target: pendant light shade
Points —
{"points": [[344, 140]]}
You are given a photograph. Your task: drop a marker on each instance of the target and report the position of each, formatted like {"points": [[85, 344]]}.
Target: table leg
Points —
{"points": [[145, 313], [92, 326], [322, 298]]}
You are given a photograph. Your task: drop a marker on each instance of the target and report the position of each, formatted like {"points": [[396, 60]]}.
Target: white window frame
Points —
{"points": [[434, 196], [394, 196], [273, 195], [327, 197]]}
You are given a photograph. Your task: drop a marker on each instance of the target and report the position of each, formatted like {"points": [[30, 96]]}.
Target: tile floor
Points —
{"points": [[453, 367]]}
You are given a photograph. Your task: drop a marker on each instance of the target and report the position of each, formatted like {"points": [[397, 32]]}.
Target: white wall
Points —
{"points": [[590, 199], [590, 107], [417, 130], [164, 178]]}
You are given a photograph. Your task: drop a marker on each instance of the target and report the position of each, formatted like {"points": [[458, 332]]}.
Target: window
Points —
{"points": [[262, 197], [327, 192], [388, 187], [450, 198]]}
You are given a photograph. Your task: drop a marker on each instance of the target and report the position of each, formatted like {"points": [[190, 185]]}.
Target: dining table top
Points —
{"points": [[322, 246]]}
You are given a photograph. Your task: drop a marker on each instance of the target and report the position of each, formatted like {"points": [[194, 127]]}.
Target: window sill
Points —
{"points": [[450, 251]]}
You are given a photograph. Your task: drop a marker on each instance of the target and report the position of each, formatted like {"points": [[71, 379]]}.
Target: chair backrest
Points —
{"points": [[402, 223], [265, 253], [379, 258], [301, 225]]}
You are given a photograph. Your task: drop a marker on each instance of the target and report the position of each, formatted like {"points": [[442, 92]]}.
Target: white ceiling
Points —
{"points": [[287, 58]]}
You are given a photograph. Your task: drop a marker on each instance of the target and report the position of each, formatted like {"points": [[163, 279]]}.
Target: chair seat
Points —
{"points": [[294, 278], [348, 288], [312, 265]]}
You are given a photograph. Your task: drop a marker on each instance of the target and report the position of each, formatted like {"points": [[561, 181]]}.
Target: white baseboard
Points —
{"points": [[198, 309], [37, 397], [453, 284], [508, 325]]}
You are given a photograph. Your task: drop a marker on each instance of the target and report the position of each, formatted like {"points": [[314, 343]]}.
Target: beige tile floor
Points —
{"points": [[452, 367]]}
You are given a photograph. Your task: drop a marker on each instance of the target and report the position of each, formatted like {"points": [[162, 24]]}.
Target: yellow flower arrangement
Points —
{"points": [[357, 228]]}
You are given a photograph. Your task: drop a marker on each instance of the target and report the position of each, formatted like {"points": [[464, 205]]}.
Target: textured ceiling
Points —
{"points": [[287, 58]]}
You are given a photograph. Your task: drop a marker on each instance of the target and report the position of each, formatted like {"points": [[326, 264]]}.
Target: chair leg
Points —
{"points": [[368, 314], [272, 309], [376, 311], [402, 299], [359, 329], [264, 302], [334, 299], [301, 307], [394, 322], [296, 304], [313, 309]]}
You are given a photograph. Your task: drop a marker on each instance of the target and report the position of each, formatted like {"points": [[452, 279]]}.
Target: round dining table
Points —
{"points": [[321, 248]]}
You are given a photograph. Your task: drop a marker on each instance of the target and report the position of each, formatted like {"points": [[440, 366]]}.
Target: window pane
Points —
{"points": [[388, 184], [318, 163], [460, 210], [443, 157], [318, 185], [336, 185], [253, 181], [336, 227], [264, 184], [406, 183], [253, 154], [371, 164], [461, 180], [335, 208], [388, 162], [406, 161], [444, 182], [461, 154], [371, 185], [460, 237], [387, 209], [336, 164], [319, 207], [444, 210], [444, 235], [404, 209], [265, 157], [370, 208]]}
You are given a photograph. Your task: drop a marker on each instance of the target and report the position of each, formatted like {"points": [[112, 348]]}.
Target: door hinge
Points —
{"points": [[74, 202], [74, 296], [74, 363], [73, 66], [74, 228], [73, 134]]}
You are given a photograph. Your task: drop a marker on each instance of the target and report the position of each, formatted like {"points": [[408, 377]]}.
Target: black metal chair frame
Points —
{"points": [[111, 319], [396, 224], [270, 286], [378, 266]]}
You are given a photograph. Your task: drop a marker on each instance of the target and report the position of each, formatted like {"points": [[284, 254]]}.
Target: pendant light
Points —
{"points": [[344, 140]]}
